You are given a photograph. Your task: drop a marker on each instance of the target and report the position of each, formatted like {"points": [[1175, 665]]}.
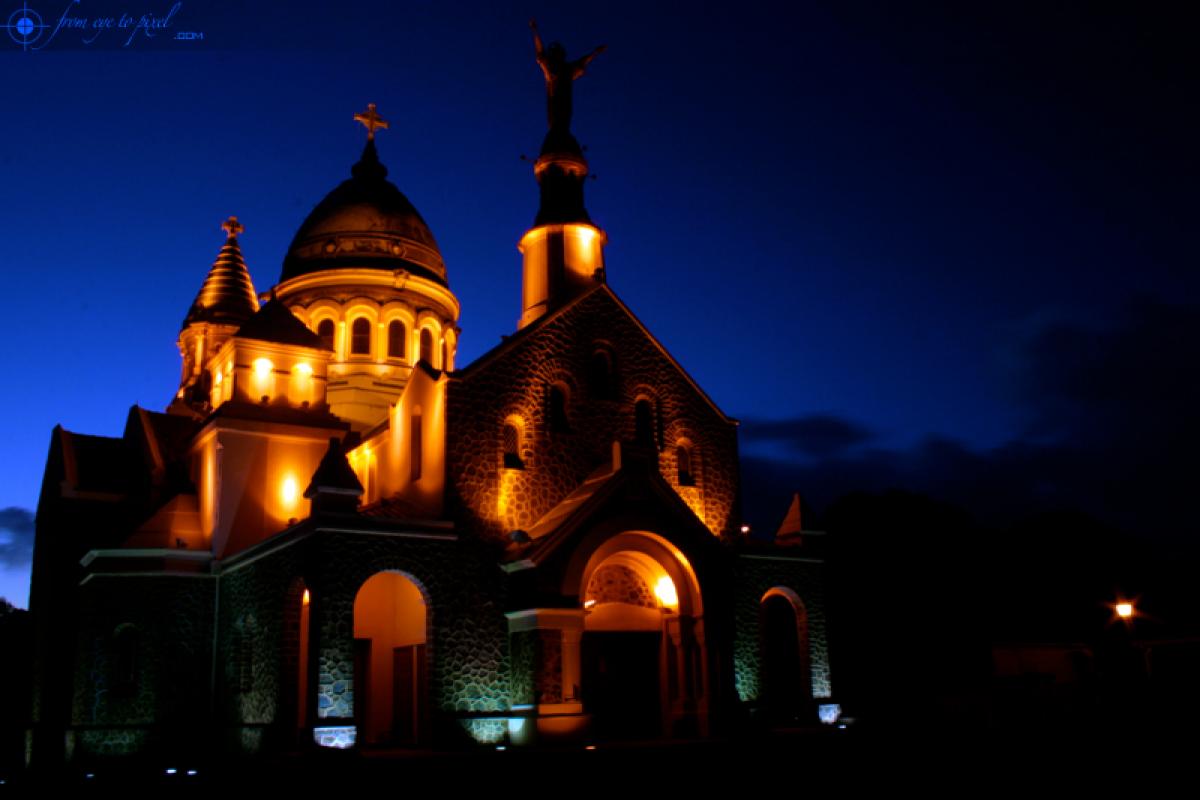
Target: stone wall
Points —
{"points": [[754, 576], [467, 631], [515, 386], [143, 663]]}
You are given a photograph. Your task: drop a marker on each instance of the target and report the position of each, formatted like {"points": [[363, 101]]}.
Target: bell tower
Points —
{"points": [[563, 253]]}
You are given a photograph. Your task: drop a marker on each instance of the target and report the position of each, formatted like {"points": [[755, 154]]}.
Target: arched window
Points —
{"points": [[445, 354], [643, 422], [600, 375], [557, 411], [427, 346], [683, 460], [414, 446], [325, 333], [397, 340], [360, 337], [512, 447]]}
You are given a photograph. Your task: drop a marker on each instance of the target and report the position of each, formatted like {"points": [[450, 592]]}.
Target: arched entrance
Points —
{"points": [[644, 665], [297, 612], [786, 688], [390, 663]]}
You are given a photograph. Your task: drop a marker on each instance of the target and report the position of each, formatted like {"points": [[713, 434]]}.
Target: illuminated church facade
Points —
{"points": [[338, 536]]}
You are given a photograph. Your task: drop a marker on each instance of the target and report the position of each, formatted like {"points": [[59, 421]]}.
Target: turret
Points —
{"points": [[563, 252], [225, 301]]}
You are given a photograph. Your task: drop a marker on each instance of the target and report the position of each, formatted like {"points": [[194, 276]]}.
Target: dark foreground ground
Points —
{"points": [[825, 762]]}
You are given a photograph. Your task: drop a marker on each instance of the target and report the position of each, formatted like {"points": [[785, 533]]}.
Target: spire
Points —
{"points": [[563, 253], [560, 168], [227, 295], [334, 486], [369, 167], [561, 171], [371, 120]]}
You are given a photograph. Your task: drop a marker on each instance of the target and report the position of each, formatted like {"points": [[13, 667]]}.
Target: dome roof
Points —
{"points": [[365, 222]]}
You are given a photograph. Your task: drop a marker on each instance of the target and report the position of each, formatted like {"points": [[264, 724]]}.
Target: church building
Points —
{"points": [[336, 535]]}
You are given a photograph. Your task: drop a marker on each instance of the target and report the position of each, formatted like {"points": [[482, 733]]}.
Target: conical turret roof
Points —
{"points": [[227, 296]]}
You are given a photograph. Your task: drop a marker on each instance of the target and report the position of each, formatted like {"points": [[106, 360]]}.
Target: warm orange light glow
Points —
{"points": [[1124, 610], [263, 367], [589, 603], [303, 369], [665, 591], [288, 491], [745, 529], [306, 599], [504, 496]]}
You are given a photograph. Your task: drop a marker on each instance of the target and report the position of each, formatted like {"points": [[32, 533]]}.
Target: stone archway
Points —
{"points": [[643, 654], [297, 658], [391, 661], [785, 693]]}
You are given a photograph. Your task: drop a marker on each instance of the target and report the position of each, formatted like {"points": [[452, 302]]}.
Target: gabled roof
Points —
{"points": [[515, 340], [334, 474], [165, 436], [394, 508], [557, 527], [95, 464], [276, 324]]}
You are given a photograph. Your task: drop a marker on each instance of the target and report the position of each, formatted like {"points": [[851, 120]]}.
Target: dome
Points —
{"points": [[365, 222]]}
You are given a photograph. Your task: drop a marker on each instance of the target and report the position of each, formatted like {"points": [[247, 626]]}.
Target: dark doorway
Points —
{"points": [[621, 683], [785, 684], [362, 682]]}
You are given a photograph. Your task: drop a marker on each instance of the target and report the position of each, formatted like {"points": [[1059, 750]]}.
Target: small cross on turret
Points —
{"points": [[371, 120], [232, 227]]}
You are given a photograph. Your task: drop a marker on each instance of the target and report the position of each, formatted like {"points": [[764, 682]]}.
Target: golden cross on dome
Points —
{"points": [[232, 226], [371, 120]]}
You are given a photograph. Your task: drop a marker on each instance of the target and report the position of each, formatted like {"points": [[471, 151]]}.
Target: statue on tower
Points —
{"points": [[560, 75]]}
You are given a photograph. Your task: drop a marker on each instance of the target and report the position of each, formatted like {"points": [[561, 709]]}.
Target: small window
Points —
{"points": [[557, 411], [445, 354], [360, 337], [427, 346], [600, 375], [512, 447], [243, 649], [643, 422], [683, 460], [325, 333], [397, 336]]}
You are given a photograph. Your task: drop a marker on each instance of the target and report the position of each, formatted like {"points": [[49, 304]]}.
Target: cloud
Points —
{"points": [[1113, 430], [16, 537], [816, 436]]}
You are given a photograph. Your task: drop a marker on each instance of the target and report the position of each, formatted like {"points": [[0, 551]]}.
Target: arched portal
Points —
{"points": [[390, 663], [786, 688], [297, 656], [644, 661]]}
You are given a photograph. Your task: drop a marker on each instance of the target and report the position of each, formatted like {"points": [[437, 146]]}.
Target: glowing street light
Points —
{"points": [[1124, 610]]}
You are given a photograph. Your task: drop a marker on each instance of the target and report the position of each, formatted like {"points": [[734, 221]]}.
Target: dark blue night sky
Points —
{"points": [[947, 248]]}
